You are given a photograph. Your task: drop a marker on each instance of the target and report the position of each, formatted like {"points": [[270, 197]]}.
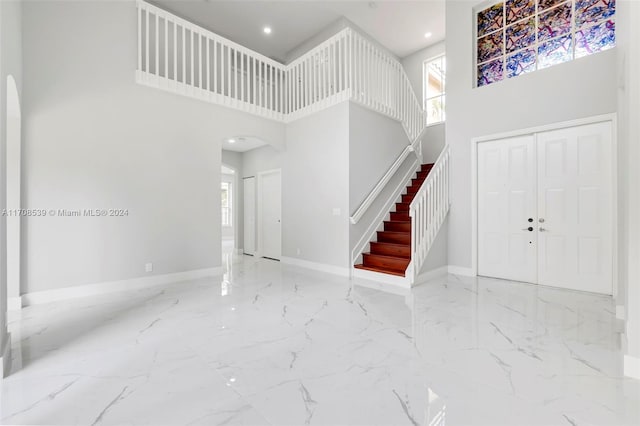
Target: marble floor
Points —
{"points": [[271, 344]]}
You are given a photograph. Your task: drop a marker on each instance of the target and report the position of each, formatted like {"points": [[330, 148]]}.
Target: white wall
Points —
{"points": [[10, 64], [315, 181], [375, 142], [234, 160], [580, 88], [433, 140], [413, 65], [95, 139]]}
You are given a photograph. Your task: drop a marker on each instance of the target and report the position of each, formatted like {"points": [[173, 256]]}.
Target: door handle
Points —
{"points": [[530, 229], [541, 229]]}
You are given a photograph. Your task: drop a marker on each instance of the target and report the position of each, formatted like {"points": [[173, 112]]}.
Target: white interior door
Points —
{"points": [[270, 193], [575, 208], [506, 209], [249, 207]]}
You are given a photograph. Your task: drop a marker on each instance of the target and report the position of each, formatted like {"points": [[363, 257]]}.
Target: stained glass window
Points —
{"points": [[515, 37]]}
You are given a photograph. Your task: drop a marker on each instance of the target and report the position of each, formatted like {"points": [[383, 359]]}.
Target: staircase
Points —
{"points": [[391, 253]]}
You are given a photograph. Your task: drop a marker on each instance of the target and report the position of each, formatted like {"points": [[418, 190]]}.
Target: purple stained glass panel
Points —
{"points": [[521, 63], [490, 72], [554, 52], [546, 4], [490, 47], [591, 11], [595, 39], [519, 9], [490, 19], [555, 22], [521, 35]]}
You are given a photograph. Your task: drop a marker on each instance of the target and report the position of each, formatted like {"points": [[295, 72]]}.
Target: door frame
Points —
{"points": [[613, 118], [259, 182]]}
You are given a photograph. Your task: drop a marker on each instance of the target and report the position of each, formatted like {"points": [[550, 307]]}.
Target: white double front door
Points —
{"points": [[545, 208]]}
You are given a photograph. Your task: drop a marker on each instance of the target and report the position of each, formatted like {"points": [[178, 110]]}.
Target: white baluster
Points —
{"points": [[184, 55], [215, 66], [192, 59], [223, 89], [229, 71], [235, 75], [139, 38], [146, 41], [156, 71], [208, 56], [175, 52], [166, 47]]}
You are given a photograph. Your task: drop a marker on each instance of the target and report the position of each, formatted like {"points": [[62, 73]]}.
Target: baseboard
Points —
{"points": [[5, 357], [429, 275], [461, 270], [400, 289], [14, 303], [620, 312], [47, 296], [322, 267], [380, 279], [632, 366]]}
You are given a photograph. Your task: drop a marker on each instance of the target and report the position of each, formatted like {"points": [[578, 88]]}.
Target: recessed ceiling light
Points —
{"points": [[232, 141], [427, 35], [266, 30]]}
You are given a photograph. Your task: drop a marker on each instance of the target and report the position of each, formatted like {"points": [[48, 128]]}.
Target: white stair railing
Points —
{"points": [[428, 211], [181, 57], [184, 58]]}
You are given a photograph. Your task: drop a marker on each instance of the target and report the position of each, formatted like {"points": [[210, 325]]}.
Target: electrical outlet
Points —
{"points": [[148, 267]]}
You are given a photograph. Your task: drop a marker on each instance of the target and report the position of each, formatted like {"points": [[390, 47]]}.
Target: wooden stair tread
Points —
{"points": [[381, 270]]}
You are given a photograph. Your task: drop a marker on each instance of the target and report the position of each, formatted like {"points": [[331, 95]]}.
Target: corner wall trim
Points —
{"points": [[322, 267], [632, 366], [620, 312], [47, 296], [14, 303], [461, 270], [5, 357]]}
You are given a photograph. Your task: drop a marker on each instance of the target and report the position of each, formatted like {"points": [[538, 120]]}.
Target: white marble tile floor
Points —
{"points": [[271, 344]]}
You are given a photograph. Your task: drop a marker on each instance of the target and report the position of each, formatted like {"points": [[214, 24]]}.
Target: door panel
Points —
{"points": [[249, 246], [506, 200], [575, 203], [271, 212]]}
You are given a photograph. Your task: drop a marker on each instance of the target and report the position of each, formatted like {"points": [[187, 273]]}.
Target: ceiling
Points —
{"points": [[242, 143], [397, 24]]}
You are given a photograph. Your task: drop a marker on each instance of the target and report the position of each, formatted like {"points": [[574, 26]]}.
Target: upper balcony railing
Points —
{"points": [[181, 57]]}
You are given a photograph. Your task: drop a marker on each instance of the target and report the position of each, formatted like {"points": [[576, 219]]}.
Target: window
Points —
{"points": [[519, 36], [433, 73], [226, 203]]}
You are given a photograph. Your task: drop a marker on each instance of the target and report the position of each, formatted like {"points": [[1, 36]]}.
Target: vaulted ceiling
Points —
{"points": [[398, 25]]}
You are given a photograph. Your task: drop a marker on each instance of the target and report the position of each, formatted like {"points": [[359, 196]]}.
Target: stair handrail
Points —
{"points": [[416, 148], [428, 210]]}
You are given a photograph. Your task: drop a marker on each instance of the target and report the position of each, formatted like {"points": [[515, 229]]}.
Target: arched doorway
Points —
{"points": [[13, 161]]}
